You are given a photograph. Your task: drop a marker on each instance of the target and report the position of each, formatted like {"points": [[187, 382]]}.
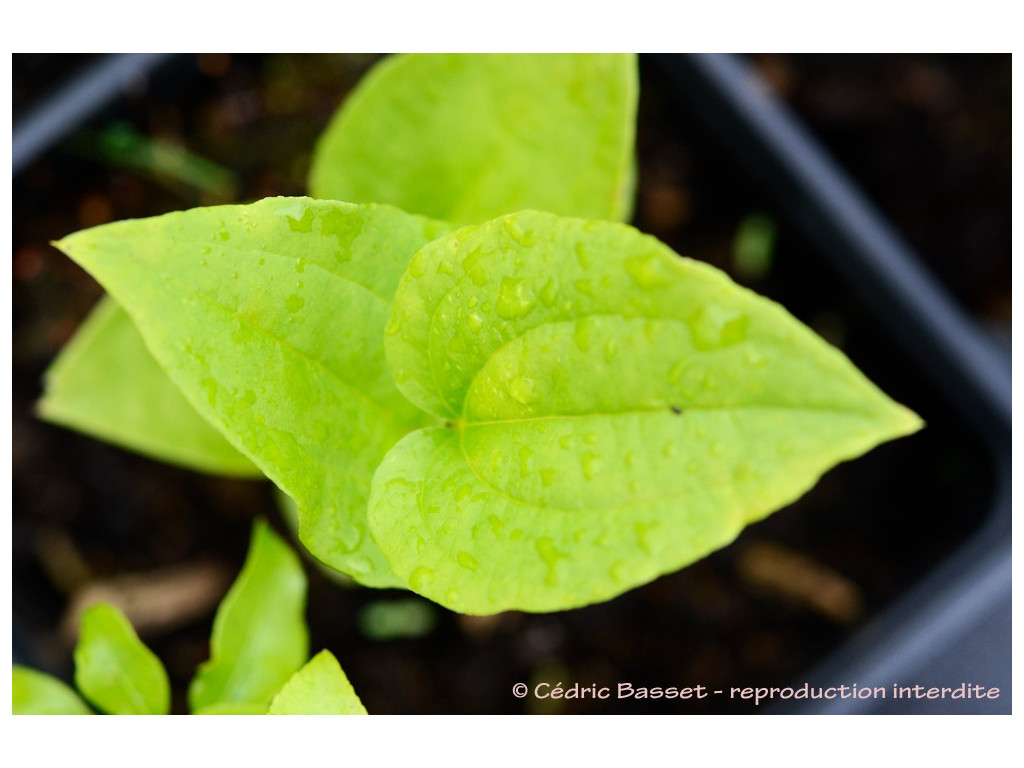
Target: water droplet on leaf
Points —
{"points": [[648, 271], [514, 299], [714, 327], [524, 390]]}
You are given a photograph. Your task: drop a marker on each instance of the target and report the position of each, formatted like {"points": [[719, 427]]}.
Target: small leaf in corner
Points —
{"points": [[114, 670], [319, 688]]}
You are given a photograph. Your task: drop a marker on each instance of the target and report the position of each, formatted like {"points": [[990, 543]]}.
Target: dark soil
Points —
{"points": [[927, 136]]}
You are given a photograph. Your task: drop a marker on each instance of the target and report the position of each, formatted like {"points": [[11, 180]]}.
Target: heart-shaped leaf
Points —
{"points": [[466, 137], [614, 413], [549, 131], [268, 317]]}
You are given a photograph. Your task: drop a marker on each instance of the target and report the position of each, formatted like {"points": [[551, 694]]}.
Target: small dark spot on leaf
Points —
{"points": [[675, 409]]}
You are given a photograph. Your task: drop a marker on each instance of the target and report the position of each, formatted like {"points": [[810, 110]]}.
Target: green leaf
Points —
{"points": [[615, 413], [259, 634], [319, 688], [269, 318], [393, 619], [105, 383], [36, 693], [114, 670], [466, 137], [233, 708]]}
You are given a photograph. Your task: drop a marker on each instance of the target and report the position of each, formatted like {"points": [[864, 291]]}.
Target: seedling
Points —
{"points": [[535, 411], [257, 665]]}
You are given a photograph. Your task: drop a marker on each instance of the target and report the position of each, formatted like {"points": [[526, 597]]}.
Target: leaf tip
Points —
{"points": [[906, 421]]}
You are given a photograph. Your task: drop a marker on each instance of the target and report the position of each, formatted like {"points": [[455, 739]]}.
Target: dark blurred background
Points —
{"points": [[927, 137]]}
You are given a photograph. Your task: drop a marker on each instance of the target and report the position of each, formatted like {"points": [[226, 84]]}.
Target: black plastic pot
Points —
{"points": [[952, 625]]}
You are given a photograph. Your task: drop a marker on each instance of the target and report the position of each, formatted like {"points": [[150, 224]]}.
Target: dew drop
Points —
{"points": [[475, 321], [514, 230], [591, 464], [294, 303], [350, 537], [586, 287], [551, 556], [497, 459], [421, 578], [549, 293], [210, 388], [467, 561], [304, 224], [581, 335], [358, 565], [514, 299], [643, 531], [742, 474], [648, 271], [524, 390], [755, 357], [417, 267], [394, 325], [611, 349], [618, 572], [582, 257], [547, 477], [714, 327], [525, 460]]}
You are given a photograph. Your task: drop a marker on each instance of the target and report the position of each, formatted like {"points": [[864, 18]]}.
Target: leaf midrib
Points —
{"points": [[589, 510], [331, 374], [262, 251], [666, 410], [466, 422]]}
